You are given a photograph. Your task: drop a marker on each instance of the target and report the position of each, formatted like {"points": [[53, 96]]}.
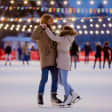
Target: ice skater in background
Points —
{"points": [[64, 42], [8, 51], [87, 49], [74, 52], [98, 54], [26, 53], [107, 51]]}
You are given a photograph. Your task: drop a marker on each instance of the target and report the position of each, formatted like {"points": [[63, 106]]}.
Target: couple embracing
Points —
{"points": [[54, 57]]}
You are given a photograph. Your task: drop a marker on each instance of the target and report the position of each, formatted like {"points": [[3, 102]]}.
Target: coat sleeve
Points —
{"points": [[53, 37], [37, 33]]}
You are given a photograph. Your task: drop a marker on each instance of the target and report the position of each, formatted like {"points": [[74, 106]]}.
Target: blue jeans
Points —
{"points": [[44, 79], [63, 76]]}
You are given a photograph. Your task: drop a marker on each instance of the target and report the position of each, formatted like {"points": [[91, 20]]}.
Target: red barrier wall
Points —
{"points": [[35, 56]]}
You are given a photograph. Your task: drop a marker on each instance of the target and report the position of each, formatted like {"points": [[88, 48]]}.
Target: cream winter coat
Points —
{"points": [[63, 46]]}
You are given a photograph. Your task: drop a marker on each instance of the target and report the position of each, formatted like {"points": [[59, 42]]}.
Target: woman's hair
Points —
{"points": [[68, 30], [45, 18]]}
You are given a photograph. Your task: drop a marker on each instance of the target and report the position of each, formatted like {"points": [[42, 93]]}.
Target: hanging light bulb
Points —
{"points": [[25, 2], [78, 2], [100, 20], [80, 32], [12, 1], [82, 20], [39, 2], [92, 2], [65, 2], [105, 2], [52, 2]]}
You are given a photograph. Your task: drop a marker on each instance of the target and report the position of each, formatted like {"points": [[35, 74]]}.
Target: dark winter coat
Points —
{"points": [[98, 51], [8, 50], [74, 49]]}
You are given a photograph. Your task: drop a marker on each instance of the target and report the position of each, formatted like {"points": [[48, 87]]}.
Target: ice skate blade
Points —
{"points": [[76, 100], [64, 106]]}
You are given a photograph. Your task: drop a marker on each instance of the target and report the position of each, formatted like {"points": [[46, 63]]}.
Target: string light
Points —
{"points": [[100, 20], [80, 32], [65, 2], [109, 19], [108, 32], [85, 32], [91, 32], [91, 20], [59, 26], [78, 2], [102, 32], [78, 26], [82, 20], [25, 2], [39, 2], [97, 32], [92, 2], [97, 26], [12, 1], [53, 27], [84, 26], [105, 2], [91, 25], [52, 2], [104, 25], [110, 25]]}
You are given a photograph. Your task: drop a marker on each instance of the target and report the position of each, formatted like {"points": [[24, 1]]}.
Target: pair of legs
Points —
{"points": [[25, 59], [44, 79], [75, 60], [97, 57], [63, 80], [8, 59], [86, 58], [109, 61]]}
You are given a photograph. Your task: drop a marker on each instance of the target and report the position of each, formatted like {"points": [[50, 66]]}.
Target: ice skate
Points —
{"points": [[55, 100], [40, 100], [67, 102], [75, 97]]}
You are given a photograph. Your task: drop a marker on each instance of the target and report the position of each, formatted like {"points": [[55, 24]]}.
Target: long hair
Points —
{"points": [[68, 30], [45, 18]]}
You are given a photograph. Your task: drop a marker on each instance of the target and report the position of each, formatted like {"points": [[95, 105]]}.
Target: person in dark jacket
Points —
{"points": [[8, 51], [19, 50], [74, 52], [87, 49], [98, 54], [106, 51]]}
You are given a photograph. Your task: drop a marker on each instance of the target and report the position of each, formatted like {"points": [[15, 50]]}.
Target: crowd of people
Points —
{"points": [[102, 53], [23, 54]]}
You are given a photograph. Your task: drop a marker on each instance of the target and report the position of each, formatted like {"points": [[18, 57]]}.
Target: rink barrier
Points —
{"points": [[34, 55]]}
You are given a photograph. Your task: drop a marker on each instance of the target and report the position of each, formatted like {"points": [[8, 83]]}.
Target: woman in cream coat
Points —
{"points": [[64, 41]]}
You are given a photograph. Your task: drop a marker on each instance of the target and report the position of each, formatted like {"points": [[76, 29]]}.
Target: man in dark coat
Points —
{"points": [[106, 51], [74, 52], [98, 54], [8, 51]]}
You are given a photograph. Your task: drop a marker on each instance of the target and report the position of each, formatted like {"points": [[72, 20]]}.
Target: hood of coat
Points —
{"points": [[68, 33]]}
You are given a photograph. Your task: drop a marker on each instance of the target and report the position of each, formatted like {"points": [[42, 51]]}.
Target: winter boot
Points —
{"points": [[54, 99], [40, 100]]}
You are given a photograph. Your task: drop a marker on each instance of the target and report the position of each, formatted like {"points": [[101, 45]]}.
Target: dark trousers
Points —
{"points": [[108, 59], [44, 79], [97, 57]]}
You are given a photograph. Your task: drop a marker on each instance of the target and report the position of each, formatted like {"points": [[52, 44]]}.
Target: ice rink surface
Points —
{"points": [[19, 85]]}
